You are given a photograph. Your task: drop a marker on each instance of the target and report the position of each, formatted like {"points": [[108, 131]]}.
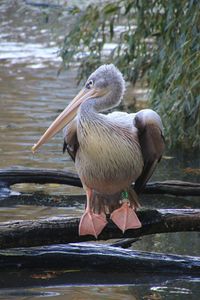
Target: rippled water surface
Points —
{"points": [[31, 96]]}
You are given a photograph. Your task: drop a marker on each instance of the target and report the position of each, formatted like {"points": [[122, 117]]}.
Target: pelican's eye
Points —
{"points": [[89, 84]]}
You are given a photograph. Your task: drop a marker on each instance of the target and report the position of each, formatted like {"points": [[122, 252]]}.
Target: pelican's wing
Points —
{"points": [[122, 118], [70, 139], [150, 134]]}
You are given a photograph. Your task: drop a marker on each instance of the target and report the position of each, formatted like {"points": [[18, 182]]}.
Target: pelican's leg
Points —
{"points": [[125, 216], [90, 222]]}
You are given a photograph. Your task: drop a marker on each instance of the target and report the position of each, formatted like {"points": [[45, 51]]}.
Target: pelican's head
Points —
{"points": [[105, 87], [109, 79]]}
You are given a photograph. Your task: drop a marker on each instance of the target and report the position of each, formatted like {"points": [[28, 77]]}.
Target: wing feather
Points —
{"points": [[150, 134], [70, 139]]}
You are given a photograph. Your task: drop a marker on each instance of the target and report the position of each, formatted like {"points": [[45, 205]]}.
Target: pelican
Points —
{"points": [[110, 151]]}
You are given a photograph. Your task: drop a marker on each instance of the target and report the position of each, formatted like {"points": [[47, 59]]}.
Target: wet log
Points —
{"points": [[40, 176], [173, 187], [98, 258], [65, 230]]}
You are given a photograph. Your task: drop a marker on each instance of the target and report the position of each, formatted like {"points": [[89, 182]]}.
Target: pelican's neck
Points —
{"points": [[88, 108]]}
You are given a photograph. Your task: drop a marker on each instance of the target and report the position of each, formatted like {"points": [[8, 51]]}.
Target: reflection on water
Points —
{"points": [[169, 289], [28, 103], [31, 96]]}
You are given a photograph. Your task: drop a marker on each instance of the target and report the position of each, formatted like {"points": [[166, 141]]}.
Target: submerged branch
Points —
{"points": [[98, 258], [65, 230], [40, 176]]}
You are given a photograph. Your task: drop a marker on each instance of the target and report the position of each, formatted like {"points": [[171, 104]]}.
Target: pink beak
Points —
{"points": [[67, 115]]}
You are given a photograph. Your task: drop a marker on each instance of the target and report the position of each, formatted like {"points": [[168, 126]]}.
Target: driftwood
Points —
{"points": [[54, 232], [173, 187], [83, 265], [65, 230], [10, 177], [88, 257]]}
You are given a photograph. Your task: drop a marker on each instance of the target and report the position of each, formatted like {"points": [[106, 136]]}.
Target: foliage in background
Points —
{"points": [[156, 42]]}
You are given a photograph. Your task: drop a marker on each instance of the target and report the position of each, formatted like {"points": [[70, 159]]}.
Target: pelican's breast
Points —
{"points": [[109, 156]]}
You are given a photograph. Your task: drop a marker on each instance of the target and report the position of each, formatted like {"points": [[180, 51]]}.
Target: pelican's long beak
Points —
{"points": [[67, 115]]}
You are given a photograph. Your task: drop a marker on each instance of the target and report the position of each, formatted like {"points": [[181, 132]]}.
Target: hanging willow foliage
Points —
{"points": [[156, 42]]}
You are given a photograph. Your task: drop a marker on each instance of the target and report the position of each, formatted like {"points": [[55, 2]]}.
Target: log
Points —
{"points": [[91, 257], [173, 187], [65, 230], [10, 177]]}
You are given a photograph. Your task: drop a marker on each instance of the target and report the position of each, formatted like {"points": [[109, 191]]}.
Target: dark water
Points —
{"points": [[31, 96]]}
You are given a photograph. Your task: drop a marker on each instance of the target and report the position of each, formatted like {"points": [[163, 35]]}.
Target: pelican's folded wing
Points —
{"points": [[150, 135], [70, 139]]}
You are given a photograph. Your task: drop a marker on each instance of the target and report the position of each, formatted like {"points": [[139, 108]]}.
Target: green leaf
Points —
{"points": [[110, 8]]}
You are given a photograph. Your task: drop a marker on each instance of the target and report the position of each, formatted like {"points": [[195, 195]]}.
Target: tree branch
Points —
{"points": [[98, 258], [9, 177], [65, 230], [173, 187]]}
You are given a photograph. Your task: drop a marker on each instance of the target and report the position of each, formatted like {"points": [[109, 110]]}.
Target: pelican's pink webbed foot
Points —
{"points": [[125, 218], [90, 222]]}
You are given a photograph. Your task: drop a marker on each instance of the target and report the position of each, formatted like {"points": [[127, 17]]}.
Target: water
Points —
{"points": [[32, 95]]}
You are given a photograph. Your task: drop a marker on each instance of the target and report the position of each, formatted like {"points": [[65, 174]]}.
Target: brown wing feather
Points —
{"points": [[152, 147], [70, 139]]}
